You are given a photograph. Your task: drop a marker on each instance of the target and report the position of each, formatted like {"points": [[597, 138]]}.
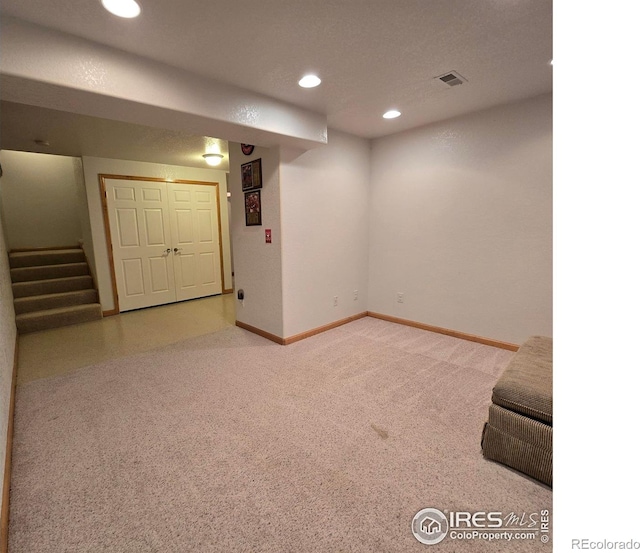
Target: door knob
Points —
{"points": [[176, 250], [168, 250]]}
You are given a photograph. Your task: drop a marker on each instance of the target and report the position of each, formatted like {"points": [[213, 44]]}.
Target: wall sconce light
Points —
{"points": [[213, 159]]}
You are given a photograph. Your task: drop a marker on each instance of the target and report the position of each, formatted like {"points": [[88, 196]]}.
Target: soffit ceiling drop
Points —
{"points": [[70, 134]]}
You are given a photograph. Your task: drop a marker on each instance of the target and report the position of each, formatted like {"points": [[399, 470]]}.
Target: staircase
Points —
{"points": [[52, 288]]}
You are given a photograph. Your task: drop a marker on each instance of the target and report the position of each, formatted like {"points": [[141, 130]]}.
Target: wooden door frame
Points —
{"points": [[102, 177]]}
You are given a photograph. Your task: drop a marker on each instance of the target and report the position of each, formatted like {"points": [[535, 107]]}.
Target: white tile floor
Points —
{"points": [[61, 350]]}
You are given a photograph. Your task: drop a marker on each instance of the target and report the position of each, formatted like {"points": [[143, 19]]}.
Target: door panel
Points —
{"points": [[159, 274], [127, 231], [184, 226], [187, 266], [208, 268], [133, 277], [194, 224], [205, 226], [124, 193], [152, 194], [154, 223], [139, 227]]}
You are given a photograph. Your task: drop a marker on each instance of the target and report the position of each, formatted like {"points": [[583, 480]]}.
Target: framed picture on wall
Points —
{"points": [[252, 175], [252, 209]]}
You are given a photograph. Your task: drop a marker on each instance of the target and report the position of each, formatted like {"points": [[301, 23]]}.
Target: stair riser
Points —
{"points": [[27, 305], [28, 274], [37, 288], [45, 258], [47, 321]]}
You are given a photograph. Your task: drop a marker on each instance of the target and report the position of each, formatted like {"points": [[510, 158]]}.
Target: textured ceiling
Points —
{"points": [[70, 134], [371, 54]]}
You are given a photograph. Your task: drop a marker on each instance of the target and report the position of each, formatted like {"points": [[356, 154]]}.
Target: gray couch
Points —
{"points": [[519, 431]]}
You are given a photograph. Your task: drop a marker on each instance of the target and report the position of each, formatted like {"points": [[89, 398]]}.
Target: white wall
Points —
{"points": [[461, 223], [257, 265], [40, 199], [7, 343], [93, 166], [325, 221], [83, 216]]}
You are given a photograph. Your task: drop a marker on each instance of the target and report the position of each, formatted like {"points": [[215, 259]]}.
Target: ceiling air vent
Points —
{"points": [[452, 78]]}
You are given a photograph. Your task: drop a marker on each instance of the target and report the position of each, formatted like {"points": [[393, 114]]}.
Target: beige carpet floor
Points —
{"points": [[227, 442]]}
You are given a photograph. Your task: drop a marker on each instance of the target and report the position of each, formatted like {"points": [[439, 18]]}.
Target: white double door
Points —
{"points": [[165, 240]]}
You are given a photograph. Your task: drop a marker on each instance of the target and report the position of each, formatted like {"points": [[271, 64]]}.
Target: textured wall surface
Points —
{"points": [[325, 233], [461, 223], [257, 265], [40, 199]]}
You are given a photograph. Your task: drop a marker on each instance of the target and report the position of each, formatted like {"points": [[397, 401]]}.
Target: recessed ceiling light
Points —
{"points": [[309, 81], [122, 8], [392, 114]]}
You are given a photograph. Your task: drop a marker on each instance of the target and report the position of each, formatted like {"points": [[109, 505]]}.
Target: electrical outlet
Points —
{"points": [[335, 301], [400, 297], [355, 295]]}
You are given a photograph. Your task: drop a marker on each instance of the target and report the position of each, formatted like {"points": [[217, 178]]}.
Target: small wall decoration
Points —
{"points": [[247, 149], [252, 209], [252, 175]]}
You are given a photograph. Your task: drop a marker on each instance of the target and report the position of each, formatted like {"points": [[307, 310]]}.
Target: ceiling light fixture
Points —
{"points": [[213, 159], [392, 114], [122, 8], [309, 81]]}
